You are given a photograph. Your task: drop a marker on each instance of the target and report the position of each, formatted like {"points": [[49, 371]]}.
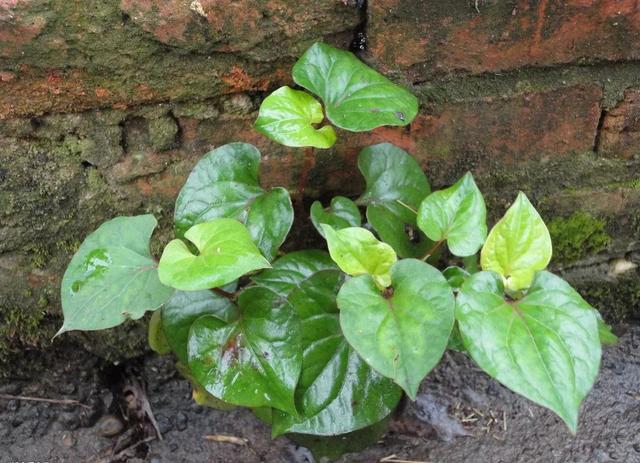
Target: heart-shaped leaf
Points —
{"points": [[337, 392], [292, 269], [544, 346], [342, 213], [456, 214], [358, 252], [518, 245], [224, 183], [184, 308], [395, 187], [254, 361], [287, 117], [355, 97], [402, 332], [226, 253], [112, 277]]}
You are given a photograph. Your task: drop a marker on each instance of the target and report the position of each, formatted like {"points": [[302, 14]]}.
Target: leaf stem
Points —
{"points": [[226, 294], [433, 249], [407, 206]]}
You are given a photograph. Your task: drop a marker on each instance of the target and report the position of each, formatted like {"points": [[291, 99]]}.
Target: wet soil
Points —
{"points": [[461, 415]]}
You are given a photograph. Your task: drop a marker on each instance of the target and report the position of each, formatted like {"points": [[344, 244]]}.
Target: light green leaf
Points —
{"points": [[184, 308], [254, 361], [358, 252], [224, 183], [337, 392], [226, 252], [395, 187], [342, 213], [403, 332], [544, 346], [355, 97], [287, 117], [456, 214], [604, 331], [112, 277], [155, 334], [518, 246]]}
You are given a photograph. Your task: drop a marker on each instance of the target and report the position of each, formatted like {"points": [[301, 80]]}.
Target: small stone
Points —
{"points": [[13, 405], [70, 421], [68, 440], [164, 423], [154, 459], [181, 421], [239, 104], [109, 426]]}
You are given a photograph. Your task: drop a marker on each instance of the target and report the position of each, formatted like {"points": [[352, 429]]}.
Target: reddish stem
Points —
{"points": [[221, 292], [431, 251]]}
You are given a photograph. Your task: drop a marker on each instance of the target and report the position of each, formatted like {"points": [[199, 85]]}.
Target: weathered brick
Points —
{"points": [[480, 133], [443, 36], [20, 23], [620, 133], [230, 26]]}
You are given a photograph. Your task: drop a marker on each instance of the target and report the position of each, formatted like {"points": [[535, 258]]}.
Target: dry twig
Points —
{"points": [[394, 459], [227, 439], [43, 399]]}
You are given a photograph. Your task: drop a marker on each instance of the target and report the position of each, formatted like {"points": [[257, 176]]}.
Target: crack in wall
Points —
{"points": [[597, 138]]}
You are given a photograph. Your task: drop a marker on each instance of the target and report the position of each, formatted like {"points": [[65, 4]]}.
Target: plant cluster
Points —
{"points": [[325, 344]]}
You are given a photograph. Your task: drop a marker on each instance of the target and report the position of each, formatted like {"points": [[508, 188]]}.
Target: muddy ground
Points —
{"points": [[461, 415]]}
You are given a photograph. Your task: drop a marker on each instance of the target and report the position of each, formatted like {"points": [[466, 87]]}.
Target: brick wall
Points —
{"points": [[106, 105]]}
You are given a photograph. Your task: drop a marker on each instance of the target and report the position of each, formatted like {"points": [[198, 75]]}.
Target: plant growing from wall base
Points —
{"points": [[324, 344]]}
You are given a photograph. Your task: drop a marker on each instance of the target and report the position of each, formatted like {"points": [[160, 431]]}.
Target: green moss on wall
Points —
{"points": [[577, 237]]}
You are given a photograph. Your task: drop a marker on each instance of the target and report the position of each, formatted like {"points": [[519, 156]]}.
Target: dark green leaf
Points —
{"points": [[112, 277], [200, 396], [456, 277], [254, 361], [355, 97], [395, 187], [544, 346], [184, 308], [224, 183], [342, 213], [401, 333], [292, 269], [287, 117], [226, 252], [333, 447], [337, 392], [456, 214]]}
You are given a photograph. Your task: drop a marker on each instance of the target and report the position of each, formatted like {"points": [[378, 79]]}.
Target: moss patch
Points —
{"points": [[578, 236]]}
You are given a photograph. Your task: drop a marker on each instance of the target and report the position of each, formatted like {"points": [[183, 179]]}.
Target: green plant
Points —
{"points": [[324, 344]]}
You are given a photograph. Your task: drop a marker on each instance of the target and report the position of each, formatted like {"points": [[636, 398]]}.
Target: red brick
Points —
{"points": [[620, 134], [425, 38]]}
